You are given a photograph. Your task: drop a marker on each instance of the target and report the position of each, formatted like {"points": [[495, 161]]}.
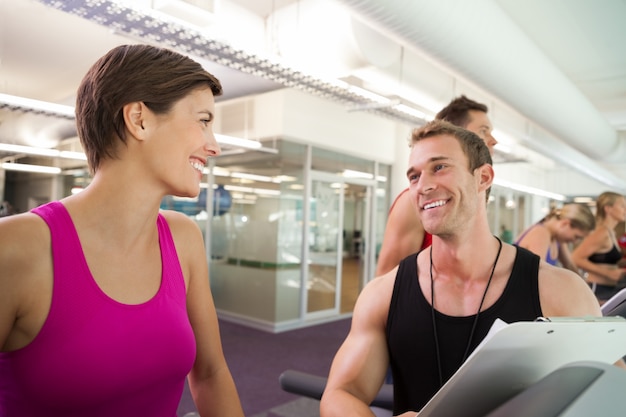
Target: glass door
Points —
{"points": [[325, 243], [337, 249], [356, 244]]}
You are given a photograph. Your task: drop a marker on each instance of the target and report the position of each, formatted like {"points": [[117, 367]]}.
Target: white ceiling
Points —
{"points": [[560, 65]]}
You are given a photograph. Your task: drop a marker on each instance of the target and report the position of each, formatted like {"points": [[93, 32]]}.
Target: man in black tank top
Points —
{"points": [[425, 317]]}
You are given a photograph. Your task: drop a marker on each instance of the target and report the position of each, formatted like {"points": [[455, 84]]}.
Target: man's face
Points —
{"points": [[481, 125], [445, 192]]}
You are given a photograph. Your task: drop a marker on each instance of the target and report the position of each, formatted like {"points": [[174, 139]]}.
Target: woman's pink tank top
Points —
{"points": [[95, 356]]}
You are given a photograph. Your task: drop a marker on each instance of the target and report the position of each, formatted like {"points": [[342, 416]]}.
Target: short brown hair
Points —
{"points": [[158, 77], [457, 111]]}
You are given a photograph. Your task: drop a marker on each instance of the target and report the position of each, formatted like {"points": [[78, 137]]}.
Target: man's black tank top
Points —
{"points": [[411, 339]]}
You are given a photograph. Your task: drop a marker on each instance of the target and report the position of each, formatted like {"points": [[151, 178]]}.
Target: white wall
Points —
{"points": [[299, 116]]}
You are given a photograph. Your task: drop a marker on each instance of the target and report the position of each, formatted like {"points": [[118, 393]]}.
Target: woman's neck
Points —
{"points": [[550, 224], [610, 224]]}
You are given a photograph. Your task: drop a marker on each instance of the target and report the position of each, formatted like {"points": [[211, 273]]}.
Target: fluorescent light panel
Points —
{"points": [[31, 105], [253, 177], [529, 190], [53, 153], [259, 191], [233, 141], [11, 166], [349, 173], [403, 108]]}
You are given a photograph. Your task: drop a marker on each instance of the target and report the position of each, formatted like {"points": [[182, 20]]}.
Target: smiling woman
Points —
{"points": [[125, 282]]}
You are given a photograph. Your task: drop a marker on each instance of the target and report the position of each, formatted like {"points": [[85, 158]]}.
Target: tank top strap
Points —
{"points": [[172, 278], [523, 284], [69, 262], [405, 286]]}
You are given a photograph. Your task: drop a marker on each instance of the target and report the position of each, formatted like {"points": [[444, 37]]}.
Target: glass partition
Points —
{"points": [[259, 234]]}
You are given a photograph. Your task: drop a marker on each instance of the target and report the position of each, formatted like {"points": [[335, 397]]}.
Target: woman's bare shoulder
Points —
{"points": [[23, 236], [25, 253], [182, 226]]}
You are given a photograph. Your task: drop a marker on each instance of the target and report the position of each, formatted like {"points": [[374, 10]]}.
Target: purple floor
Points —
{"points": [[257, 358]]}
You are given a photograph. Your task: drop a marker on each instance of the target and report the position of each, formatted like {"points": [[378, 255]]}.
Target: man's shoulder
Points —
{"points": [[378, 291], [557, 273], [382, 282], [564, 293]]}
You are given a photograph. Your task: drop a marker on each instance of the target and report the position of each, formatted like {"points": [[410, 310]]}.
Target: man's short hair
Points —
{"points": [[457, 111]]}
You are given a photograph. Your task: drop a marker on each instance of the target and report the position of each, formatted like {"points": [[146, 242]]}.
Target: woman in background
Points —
{"points": [[105, 302], [549, 238], [599, 253], [621, 241]]}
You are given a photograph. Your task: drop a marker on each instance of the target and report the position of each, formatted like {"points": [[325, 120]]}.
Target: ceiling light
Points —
{"points": [[259, 191], [265, 191], [28, 150], [284, 178], [529, 190], [403, 108], [72, 155], [52, 153], [11, 166], [36, 106], [253, 177], [242, 143], [349, 173], [219, 171], [243, 201], [377, 98]]}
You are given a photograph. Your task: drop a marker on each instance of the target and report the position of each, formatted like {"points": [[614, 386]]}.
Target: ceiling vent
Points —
{"points": [[197, 12]]}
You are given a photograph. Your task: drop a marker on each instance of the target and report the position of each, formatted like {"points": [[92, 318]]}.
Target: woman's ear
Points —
{"points": [[134, 119]]}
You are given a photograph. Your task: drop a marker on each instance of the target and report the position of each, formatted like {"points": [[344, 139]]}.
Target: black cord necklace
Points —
{"points": [[432, 309]]}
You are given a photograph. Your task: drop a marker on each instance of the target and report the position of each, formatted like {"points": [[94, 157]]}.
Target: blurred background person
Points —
{"points": [[599, 253], [621, 240], [550, 237]]}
